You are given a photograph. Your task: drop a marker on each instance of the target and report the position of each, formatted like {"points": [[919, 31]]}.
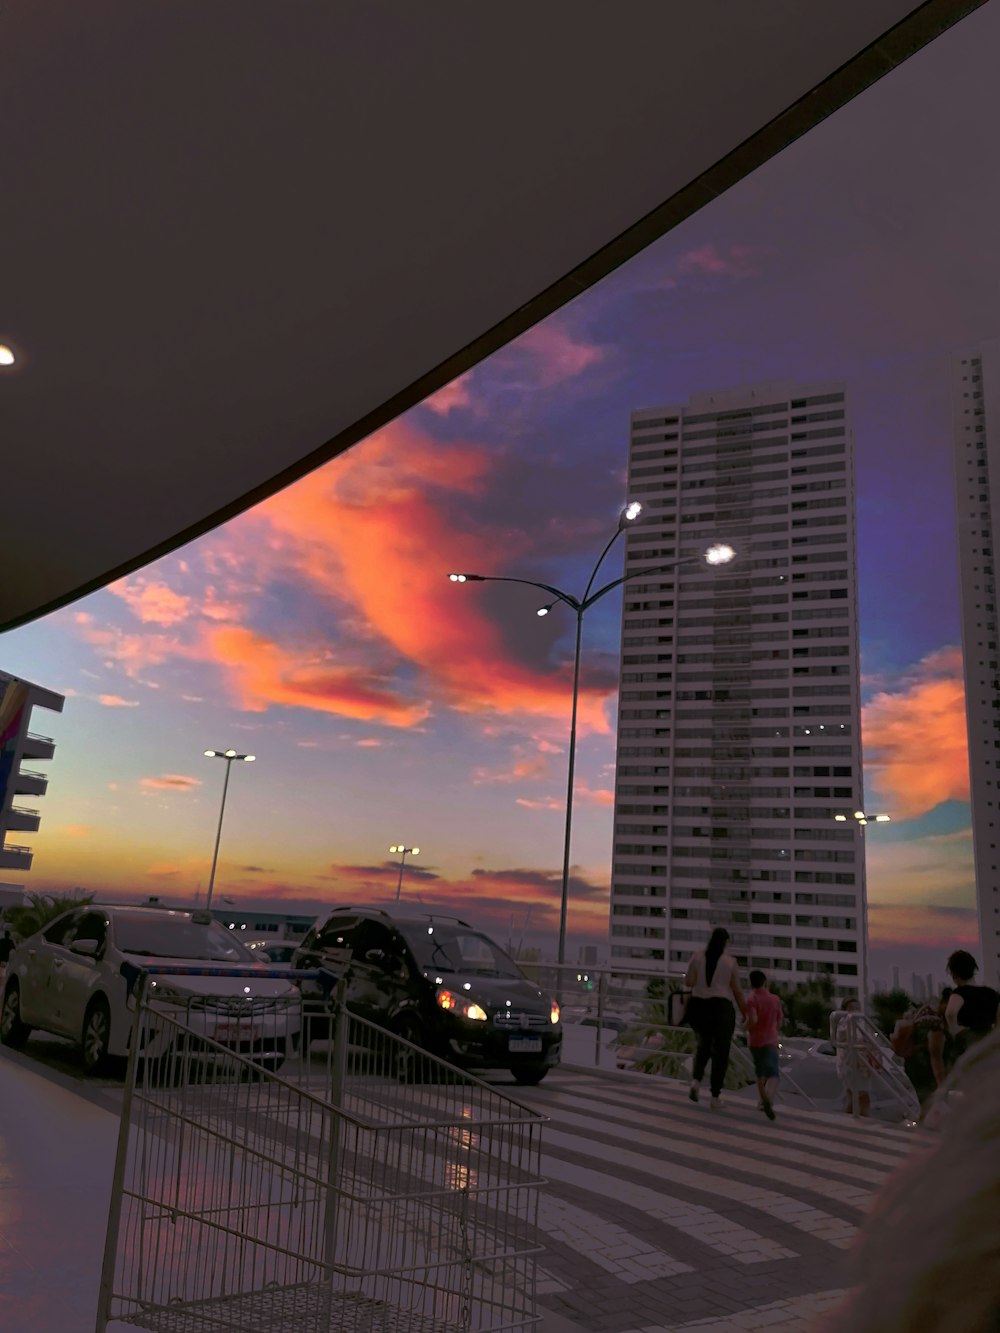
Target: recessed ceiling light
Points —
{"points": [[7, 357]]}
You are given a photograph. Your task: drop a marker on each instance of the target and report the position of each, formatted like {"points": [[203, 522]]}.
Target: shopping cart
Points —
{"points": [[376, 1190]]}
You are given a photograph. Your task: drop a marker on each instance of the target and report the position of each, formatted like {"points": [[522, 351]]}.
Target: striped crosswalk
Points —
{"points": [[680, 1216]]}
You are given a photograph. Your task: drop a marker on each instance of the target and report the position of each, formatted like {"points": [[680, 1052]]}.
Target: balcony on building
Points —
{"points": [[27, 783], [20, 819], [13, 857], [38, 747]]}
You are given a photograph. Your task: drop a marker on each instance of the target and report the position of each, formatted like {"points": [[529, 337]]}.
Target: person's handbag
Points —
{"points": [[681, 1008]]}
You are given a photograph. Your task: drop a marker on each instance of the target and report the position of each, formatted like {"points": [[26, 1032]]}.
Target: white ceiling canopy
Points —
{"points": [[238, 236]]}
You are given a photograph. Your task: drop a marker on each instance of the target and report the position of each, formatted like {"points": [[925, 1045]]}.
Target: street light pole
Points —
{"points": [[229, 756], [715, 555], [862, 820], [404, 852]]}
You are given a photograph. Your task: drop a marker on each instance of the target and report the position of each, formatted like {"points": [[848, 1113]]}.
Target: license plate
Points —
{"points": [[524, 1045], [230, 1032]]}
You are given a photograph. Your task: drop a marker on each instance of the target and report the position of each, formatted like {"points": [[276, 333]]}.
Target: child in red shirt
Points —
{"points": [[764, 1017]]}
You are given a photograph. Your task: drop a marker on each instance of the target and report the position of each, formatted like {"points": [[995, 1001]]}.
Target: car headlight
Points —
{"points": [[554, 1012], [458, 1004]]}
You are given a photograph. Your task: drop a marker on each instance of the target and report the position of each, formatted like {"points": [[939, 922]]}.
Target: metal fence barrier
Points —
{"points": [[629, 1012], [370, 1189]]}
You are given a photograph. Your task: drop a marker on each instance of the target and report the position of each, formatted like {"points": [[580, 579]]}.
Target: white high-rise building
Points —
{"points": [[739, 720], [976, 399]]}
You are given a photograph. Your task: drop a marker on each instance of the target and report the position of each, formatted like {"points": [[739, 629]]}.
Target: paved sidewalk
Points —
{"points": [[664, 1216], [659, 1216]]}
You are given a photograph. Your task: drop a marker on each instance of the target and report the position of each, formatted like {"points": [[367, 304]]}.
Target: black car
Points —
{"points": [[437, 982]]}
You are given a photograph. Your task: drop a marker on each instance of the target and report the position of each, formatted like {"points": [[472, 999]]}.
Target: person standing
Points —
{"points": [[764, 1015], [854, 1065], [971, 1011], [715, 987]]}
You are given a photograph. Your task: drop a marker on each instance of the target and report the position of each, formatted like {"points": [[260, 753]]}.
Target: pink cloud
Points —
{"points": [[452, 397], [557, 355], [152, 603], [170, 782], [116, 701], [733, 261]]}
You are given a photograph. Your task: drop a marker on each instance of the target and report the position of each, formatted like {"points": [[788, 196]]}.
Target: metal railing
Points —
{"points": [[375, 1189], [632, 1029], [868, 1059]]}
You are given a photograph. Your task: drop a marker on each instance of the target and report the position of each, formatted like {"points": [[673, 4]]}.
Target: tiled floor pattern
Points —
{"points": [[712, 1220], [659, 1216]]}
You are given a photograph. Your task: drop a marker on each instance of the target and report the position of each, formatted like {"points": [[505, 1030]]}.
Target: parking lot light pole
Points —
{"points": [[404, 852], [718, 554], [861, 822], [230, 756]]}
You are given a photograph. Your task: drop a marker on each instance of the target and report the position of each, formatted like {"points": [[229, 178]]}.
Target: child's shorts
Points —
{"points": [[765, 1061]]}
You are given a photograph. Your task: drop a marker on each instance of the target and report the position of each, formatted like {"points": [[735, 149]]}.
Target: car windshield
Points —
{"points": [[178, 937], [444, 948]]}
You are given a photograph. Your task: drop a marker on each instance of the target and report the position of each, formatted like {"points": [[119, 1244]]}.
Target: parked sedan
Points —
{"points": [[68, 979]]}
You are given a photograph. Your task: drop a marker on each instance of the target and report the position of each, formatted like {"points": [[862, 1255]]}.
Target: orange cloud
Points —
{"points": [[373, 530], [264, 673], [152, 603], [170, 782], [581, 796], [116, 701], [916, 749]]}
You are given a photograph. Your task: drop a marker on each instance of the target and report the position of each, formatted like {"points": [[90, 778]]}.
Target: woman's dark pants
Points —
{"points": [[716, 1020]]}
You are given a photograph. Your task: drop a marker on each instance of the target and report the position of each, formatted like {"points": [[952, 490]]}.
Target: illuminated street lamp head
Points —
{"points": [[398, 847], [859, 814], [467, 578], [544, 610], [631, 512], [230, 754], [7, 357], [210, 754], [842, 819], [719, 554], [458, 578], [882, 819]]}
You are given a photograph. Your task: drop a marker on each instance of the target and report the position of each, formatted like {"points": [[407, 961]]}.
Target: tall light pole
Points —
{"points": [[861, 822], [715, 555], [229, 756], [404, 852]]}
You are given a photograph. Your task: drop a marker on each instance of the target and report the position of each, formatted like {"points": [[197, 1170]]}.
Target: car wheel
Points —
{"points": [[527, 1074], [12, 1031], [96, 1036]]}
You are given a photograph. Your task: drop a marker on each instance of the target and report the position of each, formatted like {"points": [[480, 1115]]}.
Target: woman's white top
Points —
{"points": [[721, 985]]}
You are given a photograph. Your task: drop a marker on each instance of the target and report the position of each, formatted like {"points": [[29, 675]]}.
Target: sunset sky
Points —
{"points": [[385, 703]]}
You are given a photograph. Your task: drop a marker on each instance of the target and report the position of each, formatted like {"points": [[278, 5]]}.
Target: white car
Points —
{"points": [[68, 979]]}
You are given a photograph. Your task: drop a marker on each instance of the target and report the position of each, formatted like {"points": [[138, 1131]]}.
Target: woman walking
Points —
{"points": [[715, 986]]}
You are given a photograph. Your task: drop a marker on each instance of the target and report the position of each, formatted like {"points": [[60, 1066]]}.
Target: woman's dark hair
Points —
{"points": [[962, 965], [717, 941]]}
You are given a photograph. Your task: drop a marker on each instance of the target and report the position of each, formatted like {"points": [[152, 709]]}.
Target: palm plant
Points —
{"points": [[40, 909]]}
